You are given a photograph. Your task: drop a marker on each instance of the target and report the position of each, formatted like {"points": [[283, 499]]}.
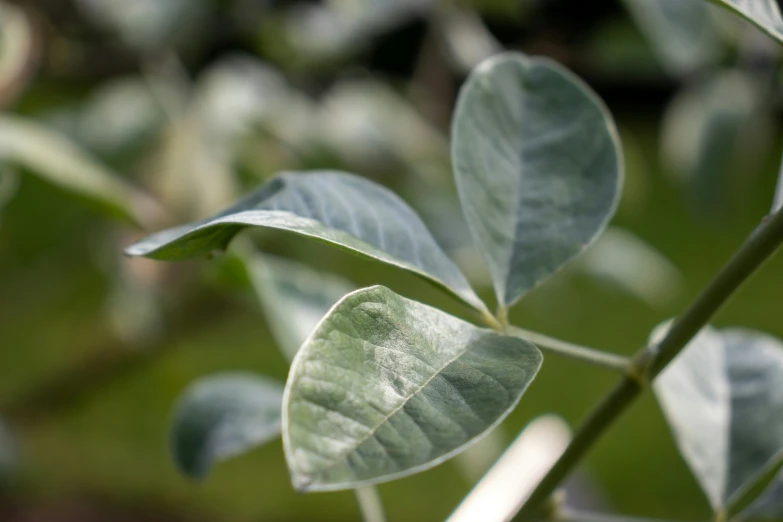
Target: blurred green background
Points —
{"points": [[198, 101]]}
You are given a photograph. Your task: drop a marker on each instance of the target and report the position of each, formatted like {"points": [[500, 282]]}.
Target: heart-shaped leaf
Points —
{"points": [[538, 167], [294, 297], [222, 416], [334, 207], [29, 145], [682, 32], [386, 387], [723, 398], [764, 14]]}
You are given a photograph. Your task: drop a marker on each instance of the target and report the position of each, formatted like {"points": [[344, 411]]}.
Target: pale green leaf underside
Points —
{"points": [[764, 14], [222, 416], [338, 208], [294, 297], [26, 144], [538, 167], [682, 32], [723, 398], [386, 387]]}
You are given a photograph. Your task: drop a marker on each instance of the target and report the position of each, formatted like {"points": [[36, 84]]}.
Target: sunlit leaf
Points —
{"points": [[337, 208], [222, 416], [294, 297], [682, 32], [764, 14], [17, 50], [723, 398], [26, 144], [538, 168], [386, 387]]}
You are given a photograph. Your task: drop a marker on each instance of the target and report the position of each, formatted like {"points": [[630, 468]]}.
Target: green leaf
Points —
{"points": [[341, 209], [24, 143], [222, 416], [723, 398], [682, 32], [538, 167], [294, 297], [764, 14], [386, 387]]}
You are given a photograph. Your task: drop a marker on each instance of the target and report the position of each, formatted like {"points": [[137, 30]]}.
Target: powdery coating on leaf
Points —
{"points": [[723, 397], [386, 387], [538, 168], [338, 208], [222, 416]]}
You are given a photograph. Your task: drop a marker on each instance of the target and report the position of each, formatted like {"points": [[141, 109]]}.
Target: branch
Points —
{"points": [[573, 351], [649, 362]]}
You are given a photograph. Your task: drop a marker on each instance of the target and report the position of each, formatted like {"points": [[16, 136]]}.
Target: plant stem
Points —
{"points": [[568, 515], [370, 504], [761, 244], [573, 351]]}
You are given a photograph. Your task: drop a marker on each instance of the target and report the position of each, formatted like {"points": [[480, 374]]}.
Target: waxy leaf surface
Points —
{"points": [[386, 387], [723, 398], [538, 168], [222, 416], [337, 208]]}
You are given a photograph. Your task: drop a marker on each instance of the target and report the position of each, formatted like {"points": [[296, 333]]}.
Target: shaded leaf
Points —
{"points": [[29, 145], [723, 398], [682, 32], [711, 130], [294, 297], [386, 387], [222, 416], [538, 167], [337, 208], [764, 14]]}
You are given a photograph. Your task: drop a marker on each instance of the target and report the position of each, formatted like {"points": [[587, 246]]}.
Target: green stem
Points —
{"points": [[573, 351], [761, 244], [370, 504], [568, 515]]}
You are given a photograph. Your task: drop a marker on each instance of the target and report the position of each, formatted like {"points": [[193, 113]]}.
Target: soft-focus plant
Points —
{"points": [[381, 387]]}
